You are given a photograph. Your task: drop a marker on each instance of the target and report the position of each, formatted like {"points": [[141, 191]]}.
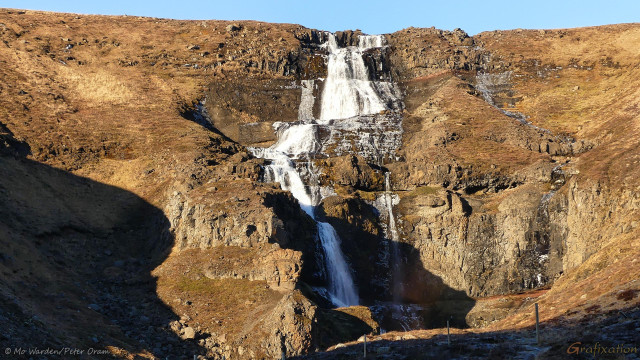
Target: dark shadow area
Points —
{"points": [[421, 286], [198, 114], [335, 326], [297, 231], [390, 276], [75, 264], [362, 244], [611, 335], [9, 145], [435, 302]]}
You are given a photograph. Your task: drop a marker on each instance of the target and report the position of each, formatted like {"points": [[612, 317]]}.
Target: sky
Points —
{"points": [[372, 17]]}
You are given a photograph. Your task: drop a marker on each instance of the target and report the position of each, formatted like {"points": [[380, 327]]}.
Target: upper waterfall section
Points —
{"points": [[252, 107], [350, 88]]}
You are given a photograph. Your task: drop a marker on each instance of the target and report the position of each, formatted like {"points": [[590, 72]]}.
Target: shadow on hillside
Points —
{"points": [[413, 298], [610, 335], [75, 264], [297, 232], [10, 146]]}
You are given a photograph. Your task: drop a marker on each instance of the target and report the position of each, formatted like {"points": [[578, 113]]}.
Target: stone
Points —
{"points": [[188, 333], [233, 27], [290, 322], [176, 326], [554, 148]]}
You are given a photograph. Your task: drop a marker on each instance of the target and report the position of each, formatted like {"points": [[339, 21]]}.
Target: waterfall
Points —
{"points": [[348, 89], [341, 287], [388, 198], [392, 233], [491, 84], [348, 94], [294, 142], [307, 100]]}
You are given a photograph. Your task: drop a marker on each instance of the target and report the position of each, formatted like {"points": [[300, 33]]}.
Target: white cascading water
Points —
{"points": [[388, 199], [348, 93], [396, 263]]}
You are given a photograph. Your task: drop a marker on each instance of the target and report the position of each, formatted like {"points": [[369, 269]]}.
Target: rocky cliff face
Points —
{"points": [[522, 210], [511, 168]]}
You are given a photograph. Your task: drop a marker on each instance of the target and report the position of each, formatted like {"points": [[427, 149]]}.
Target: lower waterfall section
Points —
{"points": [[282, 169], [341, 287]]}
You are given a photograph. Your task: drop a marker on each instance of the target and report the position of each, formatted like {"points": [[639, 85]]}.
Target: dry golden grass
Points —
{"points": [[230, 305], [476, 135], [99, 88], [108, 108], [583, 82]]}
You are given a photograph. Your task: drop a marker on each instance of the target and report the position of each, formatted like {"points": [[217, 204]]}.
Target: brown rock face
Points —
{"points": [[418, 53], [280, 268], [353, 171], [524, 184], [127, 210], [289, 326], [245, 110], [348, 37]]}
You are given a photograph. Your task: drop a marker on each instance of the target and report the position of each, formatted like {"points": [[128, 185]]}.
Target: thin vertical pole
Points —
{"points": [[537, 325], [448, 334], [365, 345]]}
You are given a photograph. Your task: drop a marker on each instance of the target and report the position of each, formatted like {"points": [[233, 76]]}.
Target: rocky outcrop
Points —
{"points": [[485, 251], [245, 110], [348, 37], [352, 171], [420, 52], [246, 220], [296, 326], [280, 268], [289, 327], [594, 217]]}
